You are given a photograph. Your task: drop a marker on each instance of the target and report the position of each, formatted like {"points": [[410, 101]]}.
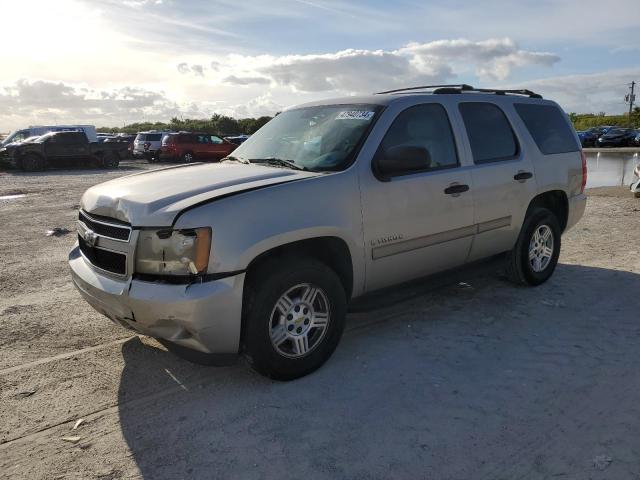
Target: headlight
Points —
{"points": [[173, 252]]}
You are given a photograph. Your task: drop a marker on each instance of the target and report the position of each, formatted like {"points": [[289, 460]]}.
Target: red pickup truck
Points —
{"points": [[189, 147]]}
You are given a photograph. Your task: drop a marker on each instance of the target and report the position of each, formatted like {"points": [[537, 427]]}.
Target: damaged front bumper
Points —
{"points": [[202, 316]]}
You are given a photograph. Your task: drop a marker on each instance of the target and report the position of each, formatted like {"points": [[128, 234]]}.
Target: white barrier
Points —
{"points": [[611, 168]]}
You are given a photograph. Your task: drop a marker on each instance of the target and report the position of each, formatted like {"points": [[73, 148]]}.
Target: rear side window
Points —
{"points": [[489, 132], [548, 127], [153, 137]]}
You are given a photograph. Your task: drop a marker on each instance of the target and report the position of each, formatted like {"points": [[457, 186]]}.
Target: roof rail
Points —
{"points": [[460, 86], [463, 88]]}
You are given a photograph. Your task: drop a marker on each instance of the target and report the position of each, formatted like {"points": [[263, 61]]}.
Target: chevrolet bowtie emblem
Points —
{"points": [[90, 237]]}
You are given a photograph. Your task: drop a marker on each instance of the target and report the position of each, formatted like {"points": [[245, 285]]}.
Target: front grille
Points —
{"points": [[110, 230], [106, 260]]}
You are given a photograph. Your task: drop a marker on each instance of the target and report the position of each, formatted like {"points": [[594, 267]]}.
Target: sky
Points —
{"points": [[111, 62]]}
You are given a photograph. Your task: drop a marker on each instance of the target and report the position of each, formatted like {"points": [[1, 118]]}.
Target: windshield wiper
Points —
{"points": [[279, 162], [235, 159]]}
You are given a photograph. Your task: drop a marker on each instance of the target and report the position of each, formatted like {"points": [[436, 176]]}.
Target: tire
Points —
{"points": [[525, 271], [268, 315], [32, 163], [187, 157], [109, 160]]}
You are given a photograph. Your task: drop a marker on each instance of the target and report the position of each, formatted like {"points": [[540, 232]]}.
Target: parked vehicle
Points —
{"points": [[188, 147], [37, 130], [125, 145], [617, 137], [635, 186], [589, 137], [261, 253], [147, 145], [53, 148]]}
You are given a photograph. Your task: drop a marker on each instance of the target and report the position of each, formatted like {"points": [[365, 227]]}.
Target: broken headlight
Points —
{"points": [[173, 252]]}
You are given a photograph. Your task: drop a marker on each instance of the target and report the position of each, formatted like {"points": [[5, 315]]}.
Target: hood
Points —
{"points": [[154, 198]]}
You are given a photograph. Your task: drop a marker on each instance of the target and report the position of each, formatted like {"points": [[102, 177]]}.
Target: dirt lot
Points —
{"points": [[461, 376]]}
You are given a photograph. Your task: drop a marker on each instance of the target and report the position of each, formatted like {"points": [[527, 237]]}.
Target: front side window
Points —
{"points": [[489, 132], [426, 128], [216, 140], [320, 138], [548, 127]]}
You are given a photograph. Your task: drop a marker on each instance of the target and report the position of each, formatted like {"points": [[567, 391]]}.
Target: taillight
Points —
{"points": [[584, 172]]}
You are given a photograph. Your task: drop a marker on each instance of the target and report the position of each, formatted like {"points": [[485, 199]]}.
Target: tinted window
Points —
{"points": [[490, 134], [424, 126], [548, 127], [153, 137]]}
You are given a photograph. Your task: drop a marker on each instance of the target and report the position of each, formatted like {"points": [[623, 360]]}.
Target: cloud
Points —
{"points": [[587, 93], [56, 101], [196, 69], [361, 71], [233, 80]]}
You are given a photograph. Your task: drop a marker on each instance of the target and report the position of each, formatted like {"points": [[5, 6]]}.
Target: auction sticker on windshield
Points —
{"points": [[355, 115]]}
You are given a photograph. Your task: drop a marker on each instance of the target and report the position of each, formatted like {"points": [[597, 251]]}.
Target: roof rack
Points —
{"points": [[462, 88]]}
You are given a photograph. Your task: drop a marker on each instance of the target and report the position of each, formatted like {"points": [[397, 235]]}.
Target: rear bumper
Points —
{"points": [[577, 205], [204, 316]]}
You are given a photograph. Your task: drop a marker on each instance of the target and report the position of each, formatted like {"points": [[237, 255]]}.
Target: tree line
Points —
{"points": [[225, 125], [218, 124], [583, 121]]}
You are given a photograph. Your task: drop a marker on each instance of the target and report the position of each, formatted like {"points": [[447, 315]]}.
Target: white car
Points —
{"points": [[147, 144]]}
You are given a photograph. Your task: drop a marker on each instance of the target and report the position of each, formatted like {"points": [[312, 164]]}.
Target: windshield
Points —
{"points": [[15, 136], [319, 138]]}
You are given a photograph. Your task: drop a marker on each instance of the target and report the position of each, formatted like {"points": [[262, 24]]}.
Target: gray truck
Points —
{"points": [[57, 148], [261, 253]]}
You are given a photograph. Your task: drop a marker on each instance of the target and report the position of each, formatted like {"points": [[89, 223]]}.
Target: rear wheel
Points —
{"points": [[187, 157], [295, 316], [109, 160], [32, 163], [535, 255]]}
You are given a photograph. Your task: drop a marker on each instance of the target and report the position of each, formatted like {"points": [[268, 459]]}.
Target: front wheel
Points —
{"points": [[535, 255], [295, 316]]}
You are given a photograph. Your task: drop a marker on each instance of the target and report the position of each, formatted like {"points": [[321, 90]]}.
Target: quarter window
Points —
{"points": [[548, 127], [426, 126], [489, 132]]}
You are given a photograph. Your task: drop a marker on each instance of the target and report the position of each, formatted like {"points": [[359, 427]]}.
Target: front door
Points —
{"points": [[419, 221]]}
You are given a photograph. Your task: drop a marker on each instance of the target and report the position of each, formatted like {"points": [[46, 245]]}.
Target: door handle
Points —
{"points": [[456, 189], [522, 176]]}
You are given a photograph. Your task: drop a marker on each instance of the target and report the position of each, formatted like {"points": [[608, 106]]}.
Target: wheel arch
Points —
{"points": [[331, 250], [554, 200]]}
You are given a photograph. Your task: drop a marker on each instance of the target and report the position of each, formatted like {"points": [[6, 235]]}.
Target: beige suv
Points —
{"points": [[261, 253]]}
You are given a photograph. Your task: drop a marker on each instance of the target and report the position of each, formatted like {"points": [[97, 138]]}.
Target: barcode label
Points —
{"points": [[355, 115]]}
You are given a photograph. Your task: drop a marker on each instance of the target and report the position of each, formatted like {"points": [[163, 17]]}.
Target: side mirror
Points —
{"points": [[402, 160]]}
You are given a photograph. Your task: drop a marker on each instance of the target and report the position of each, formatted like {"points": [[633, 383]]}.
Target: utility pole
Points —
{"points": [[630, 98]]}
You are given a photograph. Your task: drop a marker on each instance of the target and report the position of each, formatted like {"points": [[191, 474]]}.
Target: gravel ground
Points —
{"points": [[454, 377]]}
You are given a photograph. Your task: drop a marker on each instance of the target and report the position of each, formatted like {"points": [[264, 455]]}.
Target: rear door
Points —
{"points": [[417, 222], [503, 176], [77, 145]]}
